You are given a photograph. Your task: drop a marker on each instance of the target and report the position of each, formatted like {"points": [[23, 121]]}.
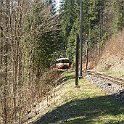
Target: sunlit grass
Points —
{"points": [[115, 73], [84, 105]]}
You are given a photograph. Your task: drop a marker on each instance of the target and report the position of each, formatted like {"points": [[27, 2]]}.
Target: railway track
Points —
{"points": [[113, 79], [110, 85]]}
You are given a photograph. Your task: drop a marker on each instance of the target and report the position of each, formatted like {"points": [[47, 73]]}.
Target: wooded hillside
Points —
{"points": [[33, 36], [101, 20], [29, 44]]}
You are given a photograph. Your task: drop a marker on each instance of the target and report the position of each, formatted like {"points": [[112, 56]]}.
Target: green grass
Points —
{"points": [[84, 105], [118, 74], [115, 73]]}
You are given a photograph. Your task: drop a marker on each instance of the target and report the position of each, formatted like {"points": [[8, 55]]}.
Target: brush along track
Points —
{"points": [[49, 101], [110, 85]]}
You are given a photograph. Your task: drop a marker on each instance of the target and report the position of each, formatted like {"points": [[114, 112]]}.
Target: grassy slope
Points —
{"points": [[84, 105], [112, 59]]}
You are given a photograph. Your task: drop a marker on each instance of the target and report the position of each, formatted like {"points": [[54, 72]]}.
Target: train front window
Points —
{"points": [[63, 61]]}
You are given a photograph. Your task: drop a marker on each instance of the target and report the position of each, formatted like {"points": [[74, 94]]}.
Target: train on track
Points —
{"points": [[63, 63]]}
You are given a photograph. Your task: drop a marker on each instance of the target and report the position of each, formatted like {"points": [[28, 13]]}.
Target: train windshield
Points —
{"points": [[63, 61]]}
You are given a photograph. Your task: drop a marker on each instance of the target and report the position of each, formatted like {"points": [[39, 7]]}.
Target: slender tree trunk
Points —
{"points": [[87, 56]]}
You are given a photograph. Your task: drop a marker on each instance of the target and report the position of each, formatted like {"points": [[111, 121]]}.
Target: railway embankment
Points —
{"points": [[84, 105], [110, 66], [111, 61], [109, 85]]}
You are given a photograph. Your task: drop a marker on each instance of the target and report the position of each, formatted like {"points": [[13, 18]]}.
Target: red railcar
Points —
{"points": [[63, 63]]}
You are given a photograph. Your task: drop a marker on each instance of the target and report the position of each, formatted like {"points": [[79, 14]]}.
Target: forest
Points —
{"points": [[33, 35]]}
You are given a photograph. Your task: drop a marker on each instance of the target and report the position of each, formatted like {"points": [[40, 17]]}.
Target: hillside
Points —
{"points": [[112, 59], [84, 105]]}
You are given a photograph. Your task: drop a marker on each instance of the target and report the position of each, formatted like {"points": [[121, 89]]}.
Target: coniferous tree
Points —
{"points": [[101, 19], [68, 16]]}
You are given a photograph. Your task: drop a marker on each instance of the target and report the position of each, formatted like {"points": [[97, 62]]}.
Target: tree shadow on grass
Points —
{"points": [[83, 111], [66, 78]]}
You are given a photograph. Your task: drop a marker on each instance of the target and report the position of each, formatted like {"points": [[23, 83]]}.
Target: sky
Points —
{"points": [[58, 3]]}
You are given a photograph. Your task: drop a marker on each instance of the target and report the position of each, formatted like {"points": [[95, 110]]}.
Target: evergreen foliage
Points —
{"points": [[101, 19], [33, 36], [42, 31], [68, 17]]}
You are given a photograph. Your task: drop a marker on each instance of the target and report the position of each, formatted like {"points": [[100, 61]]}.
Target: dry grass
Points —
{"points": [[112, 60]]}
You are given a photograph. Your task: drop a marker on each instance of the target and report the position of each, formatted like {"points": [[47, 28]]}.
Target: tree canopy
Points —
{"points": [[101, 19]]}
